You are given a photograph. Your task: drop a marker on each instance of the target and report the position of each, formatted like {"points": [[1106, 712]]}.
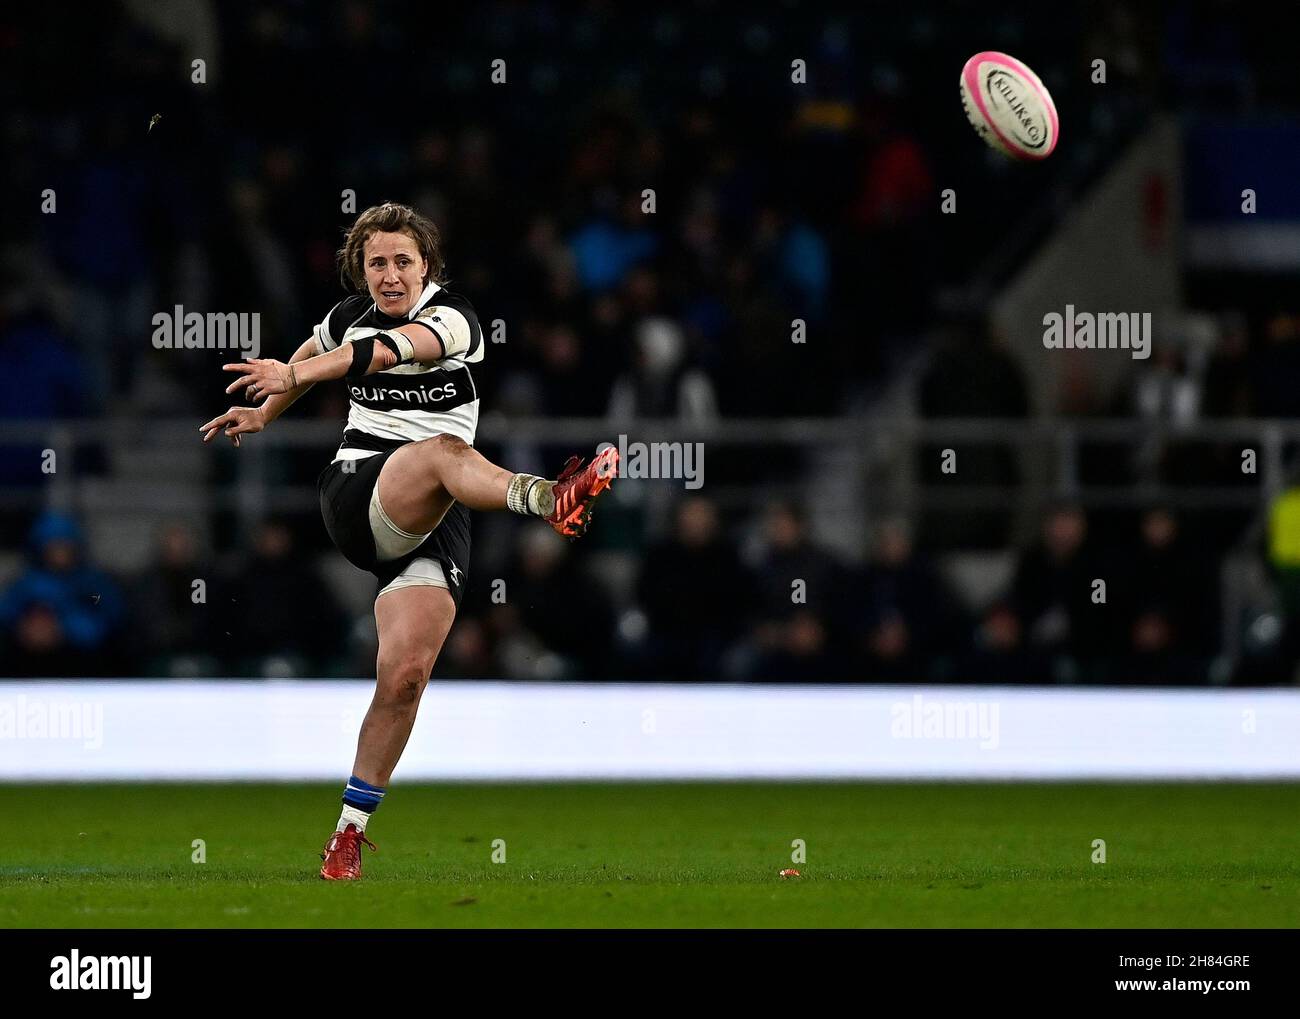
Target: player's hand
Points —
{"points": [[235, 422], [261, 376]]}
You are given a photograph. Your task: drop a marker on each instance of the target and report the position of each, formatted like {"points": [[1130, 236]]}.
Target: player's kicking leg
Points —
{"points": [[416, 487], [422, 479]]}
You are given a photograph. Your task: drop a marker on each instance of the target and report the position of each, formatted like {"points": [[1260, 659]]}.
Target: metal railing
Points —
{"points": [[1047, 454]]}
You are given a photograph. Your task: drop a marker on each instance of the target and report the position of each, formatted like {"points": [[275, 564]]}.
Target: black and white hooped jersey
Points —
{"points": [[411, 401]]}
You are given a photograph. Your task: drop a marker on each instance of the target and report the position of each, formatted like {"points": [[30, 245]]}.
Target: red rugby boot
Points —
{"points": [[576, 490], [342, 855]]}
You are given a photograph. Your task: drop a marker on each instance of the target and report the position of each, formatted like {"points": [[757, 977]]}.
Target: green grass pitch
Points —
{"points": [[658, 855]]}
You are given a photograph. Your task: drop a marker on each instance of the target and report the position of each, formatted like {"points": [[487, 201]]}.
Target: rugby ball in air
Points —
{"points": [[1008, 106]]}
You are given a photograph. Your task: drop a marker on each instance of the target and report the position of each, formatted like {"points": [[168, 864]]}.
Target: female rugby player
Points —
{"points": [[397, 496]]}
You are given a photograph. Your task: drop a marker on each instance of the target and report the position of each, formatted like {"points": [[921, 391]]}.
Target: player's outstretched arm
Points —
{"points": [[249, 420], [277, 403], [417, 341]]}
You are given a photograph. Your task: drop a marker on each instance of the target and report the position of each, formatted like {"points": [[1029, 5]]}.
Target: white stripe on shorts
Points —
{"points": [[420, 572]]}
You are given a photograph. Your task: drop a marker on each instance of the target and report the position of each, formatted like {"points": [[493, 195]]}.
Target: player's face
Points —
{"points": [[394, 272]]}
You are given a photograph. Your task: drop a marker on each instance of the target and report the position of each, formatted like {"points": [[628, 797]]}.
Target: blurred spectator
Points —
{"points": [[696, 594], [257, 267], [36, 645], [101, 237], [41, 380], [469, 652], [788, 556], [904, 615], [800, 600], [972, 375], [890, 652], [61, 613], [1228, 393], [897, 184], [1276, 366], [1275, 655], [1166, 391], [1166, 594], [1114, 30], [662, 383], [794, 254], [1052, 592], [799, 652], [1155, 655], [41, 377], [611, 242], [1228, 389], [998, 652], [891, 265], [282, 618], [174, 630], [560, 605], [561, 374]]}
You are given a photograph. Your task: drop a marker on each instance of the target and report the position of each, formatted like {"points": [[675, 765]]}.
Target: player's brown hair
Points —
{"points": [[389, 218]]}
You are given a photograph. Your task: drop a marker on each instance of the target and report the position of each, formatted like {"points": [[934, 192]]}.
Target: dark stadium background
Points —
{"points": [[775, 201]]}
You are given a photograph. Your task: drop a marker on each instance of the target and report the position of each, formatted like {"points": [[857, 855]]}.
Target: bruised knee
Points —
{"points": [[444, 447], [402, 679], [436, 458]]}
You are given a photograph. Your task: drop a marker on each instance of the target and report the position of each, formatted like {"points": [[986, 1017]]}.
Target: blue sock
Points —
{"points": [[360, 800]]}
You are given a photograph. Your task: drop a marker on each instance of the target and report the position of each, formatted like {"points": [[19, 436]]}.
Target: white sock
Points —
{"points": [[351, 815], [530, 495], [541, 498]]}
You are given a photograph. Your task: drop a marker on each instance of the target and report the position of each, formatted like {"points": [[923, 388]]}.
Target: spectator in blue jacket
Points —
{"points": [[61, 613]]}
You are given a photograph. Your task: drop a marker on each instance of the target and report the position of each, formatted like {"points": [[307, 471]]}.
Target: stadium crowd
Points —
{"points": [[765, 605], [774, 201]]}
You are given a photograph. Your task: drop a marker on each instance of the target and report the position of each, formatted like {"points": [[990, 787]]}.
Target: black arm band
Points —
{"points": [[363, 352]]}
